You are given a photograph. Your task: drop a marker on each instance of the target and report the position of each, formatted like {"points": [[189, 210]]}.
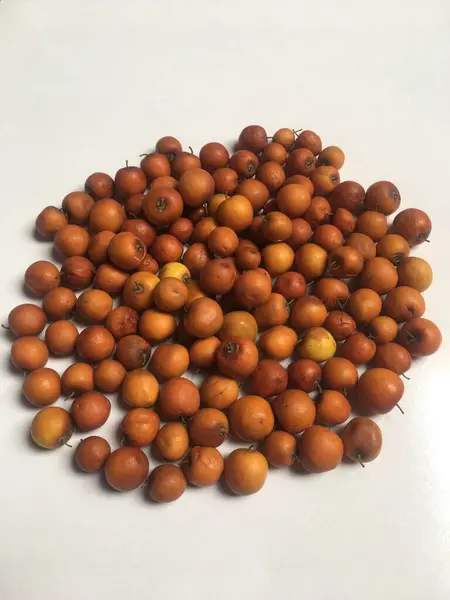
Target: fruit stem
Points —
{"points": [[400, 409], [359, 459], [6, 327], [408, 378]]}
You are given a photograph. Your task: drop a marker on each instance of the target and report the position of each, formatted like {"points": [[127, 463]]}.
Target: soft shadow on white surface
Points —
{"points": [[87, 85]]}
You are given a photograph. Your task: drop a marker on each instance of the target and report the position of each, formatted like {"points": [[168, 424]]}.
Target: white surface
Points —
{"points": [[84, 86]]}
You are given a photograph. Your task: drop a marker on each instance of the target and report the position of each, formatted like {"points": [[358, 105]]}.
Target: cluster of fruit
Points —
{"points": [[245, 260]]}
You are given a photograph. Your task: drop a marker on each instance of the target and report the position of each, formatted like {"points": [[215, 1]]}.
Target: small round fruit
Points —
{"points": [[61, 338], [362, 439], [225, 180], [170, 294], [255, 191], [420, 337], [106, 215], [208, 427], [126, 251], [166, 483], [126, 468], [319, 212], [237, 357], [122, 321], [403, 304], [325, 180], [412, 224], [99, 185], [42, 387], [372, 224], [290, 285], [130, 180], [171, 442], [379, 390], [138, 290], [156, 326], [311, 261], [162, 206], [293, 200], [279, 449], [328, 237], [340, 324], [308, 312], [245, 471], [331, 156], [169, 360], [334, 293], [77, 273], [415, 272], [110, 279], [251, 418], [109, 376], [339, 374], [269, 379], [78, 205], [364, 244], [218, 276], [182, 230], [393, 247], [358, 349], [58, 303], [202, 353], [382, 330], [301, 162], [51, 428], [219, 392], [29, 353], [214, 156], [317, 344], [155, 165], [253, 288], [41, 277], [49, 221], [278, 342], [364, 305], [203, 466], [332, 408], [168, 145], [254, 138], [223, 242], [393, 357], [140, 389], [178, 398], [304, 374], [345, 262], [320, 449], [91, 454], [238, 323], [71, 240], [196, 187], [383, 196], [310, 140], [26, 319], [301, 233], [141, 229], [94, 306], [133, 352], [294, 410], [380, 275], [90, 410], [95, 343], [140, 426], [204, 318], [236, 213], [349, 195], [344, 220], [277, 258], [77, 379]]}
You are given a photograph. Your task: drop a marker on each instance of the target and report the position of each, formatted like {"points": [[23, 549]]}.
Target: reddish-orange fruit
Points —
{"points": [[294, 410], [219, 392], [319, 212], [140, 229], [126, 468], [61, 337], [109, 375], [98, 247], [163, 206], [155, 165], [421, 337], [26, 319], [166, 483], [129, 181], [373, 224], [237, 357], [169, 146], [393, 247], [51, 428], [300, 180], [166, 248], [331, 156], [362, 440], [269, 379], [294, 200], [138, 290], [273, 312], [393, 357], [328, 236], [358, 349], [133, 352], [278, 342], [171, 442], [272, 175], [364, 305], [49, 221], [308, 312], [203, 229], [170, 294], [78, 205], [382, 330], [208, 427], [77, 272], [169, 360], [223, 242], [94, 306], [91, 454], [251, 418], [379, 390], [214, 156], [277, 258], [225, 180], [301, 162], [310, 140], [301, 233], [379, 275], [203, 466], [252, 288], [239, 323], [106, 215], [332, 408], [285, 137], [365, 246], [344, 220], [182, 230], [77, 379], [339, 374], [110, 279], [415, 272], [156, 326], [383, 196], [320, 449], [196, 187], [403, 304], [245, 163], [255, 191], [196, 257], [140, 426], [345, 262], [304, 374], [122, 321], [332, 292], [247, 255], [90, 410], [274, 152], [340, 324], [204, 318], [245, 471], [254, 138], [290, 285], [126, 251], [99, 186], [95, 343], [279, 449], [41, 277], [276, 227], [236, 212], [412, 224], [71, 240], [58, 303], [311, 261], [140, 389], [349, 195], [202, 353], [178, 398], [42, 387], [325, 180]]}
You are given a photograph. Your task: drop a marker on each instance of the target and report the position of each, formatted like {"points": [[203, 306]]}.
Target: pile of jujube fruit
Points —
{"points": [[258, 270]]}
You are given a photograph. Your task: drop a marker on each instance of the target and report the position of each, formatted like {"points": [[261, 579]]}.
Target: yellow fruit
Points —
{"points": [[318, 344], [51, 428], [177, 270]]}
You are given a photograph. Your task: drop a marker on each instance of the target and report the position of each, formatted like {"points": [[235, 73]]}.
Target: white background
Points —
{"points": [[87, 84]]}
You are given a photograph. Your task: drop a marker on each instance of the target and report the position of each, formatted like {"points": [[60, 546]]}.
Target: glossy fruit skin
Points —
{"points": [[310, 140], [372, 224], [41, 277], [95, 343], [304, 374], [345, 262], [320, 449], [251, 418], [61, 337], [403, 304], [171, 442], [412, 224], [332, 408], [383, 196], [93, 306], [319, 211], [340, 324], [328, 237], [334, 293], [49, 221], [106, 215], [26, 319], [225, 180], [218, 276], [122, 321], [208, 427], [77, 379], [178, 398], [301, 162], [42, 387], [51, 428], [279, 449], [169, 360], [308, 312], [311, 261], [291, 285], [140, 389], [214, 156], [394, 357], [91, 454], [380, 275], [415, 272], [140, 426], [344, 220], [245, 471], [236, 212], [29, 353], [141, 229], [71, 240], [204, 318], [163, 206], [349, 195], [99, 185], [421, 337], [132, 351], [90, 410], [245, 163], [237, 358], [156, 326], [253, 288], [339, 374], [78, 205], [77, 272], [126, 251], [362, 439], [331, 156], [364, 244], [382, 330], [269, 379], [218, 391], [301, 233], [168, 145], [166, 483], [129, 181], [98, 247], [294, 410], [317, 344], [364, 305], [358, 349], [126, 468], [379, 390], [254, 138], [203, 466]]}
